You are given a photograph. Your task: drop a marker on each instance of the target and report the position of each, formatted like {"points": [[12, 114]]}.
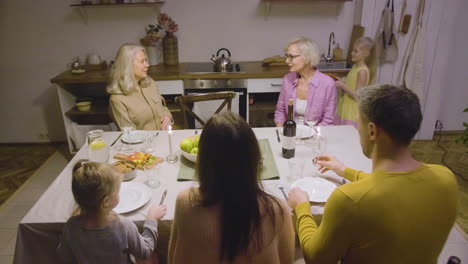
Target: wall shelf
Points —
{"points": [[268, 3], [83, 8]]}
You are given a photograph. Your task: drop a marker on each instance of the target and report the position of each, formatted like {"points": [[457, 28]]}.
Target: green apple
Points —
{"points": [[195, 141], [194, 151], [186, 144]]}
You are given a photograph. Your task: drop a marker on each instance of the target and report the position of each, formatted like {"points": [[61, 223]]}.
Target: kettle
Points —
{"points": [[94, 59], [222, 64]]}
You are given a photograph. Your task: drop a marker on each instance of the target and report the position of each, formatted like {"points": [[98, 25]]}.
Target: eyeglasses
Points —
{"points": [[291, 57]]}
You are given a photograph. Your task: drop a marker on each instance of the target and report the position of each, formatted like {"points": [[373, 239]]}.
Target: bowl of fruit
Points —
{"points": [[189, 147]]}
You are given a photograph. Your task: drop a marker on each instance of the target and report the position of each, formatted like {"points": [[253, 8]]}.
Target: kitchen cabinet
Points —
{"points": [[263, 93], [84, 14]]}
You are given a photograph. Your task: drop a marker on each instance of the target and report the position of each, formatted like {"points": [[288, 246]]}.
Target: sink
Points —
{"points": [[335, 65]]}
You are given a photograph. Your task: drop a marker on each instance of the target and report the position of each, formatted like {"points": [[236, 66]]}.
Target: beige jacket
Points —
{"points": [[143, 108]]}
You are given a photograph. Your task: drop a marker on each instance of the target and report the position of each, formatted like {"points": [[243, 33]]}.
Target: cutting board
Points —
{"points": [[358, 31]]}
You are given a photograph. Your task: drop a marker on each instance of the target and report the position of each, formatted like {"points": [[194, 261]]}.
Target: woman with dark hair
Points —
{"points": [[229, 218]]}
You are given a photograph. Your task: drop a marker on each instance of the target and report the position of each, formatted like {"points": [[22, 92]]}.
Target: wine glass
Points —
{"points": [[311, 122], [127, 129]]}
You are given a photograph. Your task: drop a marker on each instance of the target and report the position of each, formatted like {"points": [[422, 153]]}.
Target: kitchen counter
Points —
{"points": [[249, 70]]}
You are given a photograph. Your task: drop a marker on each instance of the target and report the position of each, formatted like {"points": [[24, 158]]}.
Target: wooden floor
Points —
{"points": [[19, 161]]}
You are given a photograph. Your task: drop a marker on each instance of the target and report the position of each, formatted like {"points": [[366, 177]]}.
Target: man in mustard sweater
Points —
{"points": [[402, 212]]}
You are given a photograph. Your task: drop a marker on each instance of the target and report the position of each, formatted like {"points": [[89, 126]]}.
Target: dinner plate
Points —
{"points": [[303, 130], [317, 188], [133, 195], [135, 137]]}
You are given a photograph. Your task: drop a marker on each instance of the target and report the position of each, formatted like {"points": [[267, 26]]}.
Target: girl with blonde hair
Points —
{"points": [[361, 75], [96, 234], [135, 98]]}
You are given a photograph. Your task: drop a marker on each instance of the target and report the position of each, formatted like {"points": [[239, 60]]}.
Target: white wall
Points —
{"points": [[454, 77], [38, 38]]}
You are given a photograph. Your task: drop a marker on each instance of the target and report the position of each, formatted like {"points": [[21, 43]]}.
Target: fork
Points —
{"points": [[282, 190]]}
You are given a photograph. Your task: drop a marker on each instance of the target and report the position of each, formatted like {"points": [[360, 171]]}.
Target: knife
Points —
{"points": [[113, 143], [277, 135], [163, 197]]}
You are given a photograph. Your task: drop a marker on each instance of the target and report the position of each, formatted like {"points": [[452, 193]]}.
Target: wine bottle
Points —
{"points": [[289, 133]]}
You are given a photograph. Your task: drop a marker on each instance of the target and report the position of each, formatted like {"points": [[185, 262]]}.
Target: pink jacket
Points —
{"points": [[321, 101]]}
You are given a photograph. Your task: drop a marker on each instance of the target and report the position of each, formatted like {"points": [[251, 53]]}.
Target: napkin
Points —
{"points": [[269, 171]]}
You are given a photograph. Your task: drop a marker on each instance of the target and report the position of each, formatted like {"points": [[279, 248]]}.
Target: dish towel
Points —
{"points": [[269, 171]]}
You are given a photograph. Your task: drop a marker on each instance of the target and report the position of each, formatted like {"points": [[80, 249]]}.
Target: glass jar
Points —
{"points": [[98, 149]]}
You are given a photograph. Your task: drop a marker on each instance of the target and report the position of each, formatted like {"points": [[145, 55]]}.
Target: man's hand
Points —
{"points": [[329, 162], [165, 122], [297, 196]]}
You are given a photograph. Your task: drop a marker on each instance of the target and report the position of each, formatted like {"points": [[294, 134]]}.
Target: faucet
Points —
{"points": [[329, 58]]}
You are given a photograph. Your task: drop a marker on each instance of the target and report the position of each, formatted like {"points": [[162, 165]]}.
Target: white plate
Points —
{"points": [[317, 188], [305, 131], [135, 137], [133, 195]]}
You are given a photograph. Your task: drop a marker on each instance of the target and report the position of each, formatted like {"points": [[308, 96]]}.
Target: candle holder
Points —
{"points": [[171, 158]]}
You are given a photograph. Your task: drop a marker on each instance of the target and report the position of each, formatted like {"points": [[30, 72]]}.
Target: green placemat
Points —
{"points": [[269, 170]]}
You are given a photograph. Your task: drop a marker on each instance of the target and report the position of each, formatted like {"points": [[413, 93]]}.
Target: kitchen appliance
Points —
{"points": [[222, 64], [206, 109], [222, 83]]}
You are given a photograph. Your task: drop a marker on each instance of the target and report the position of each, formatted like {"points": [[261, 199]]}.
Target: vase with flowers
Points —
{"points": [[152, 42], [169, 42]]}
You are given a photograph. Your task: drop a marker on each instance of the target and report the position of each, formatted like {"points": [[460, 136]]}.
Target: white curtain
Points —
{"points": [[412, 70]]}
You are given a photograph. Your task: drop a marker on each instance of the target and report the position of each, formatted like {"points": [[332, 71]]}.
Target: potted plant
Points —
{"points": [[170, 43]]}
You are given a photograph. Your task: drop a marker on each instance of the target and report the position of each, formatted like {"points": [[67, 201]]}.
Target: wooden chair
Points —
{"points": [[186, 103]]}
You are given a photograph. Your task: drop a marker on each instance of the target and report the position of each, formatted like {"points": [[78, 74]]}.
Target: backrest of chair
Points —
{"points": [[186, 104]]}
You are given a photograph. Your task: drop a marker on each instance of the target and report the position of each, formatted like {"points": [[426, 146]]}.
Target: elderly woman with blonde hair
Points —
{"points": [[313, 93], [135, 98]]}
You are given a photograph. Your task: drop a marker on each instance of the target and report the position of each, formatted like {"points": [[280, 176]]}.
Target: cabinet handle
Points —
{"points": [[275, 84]]}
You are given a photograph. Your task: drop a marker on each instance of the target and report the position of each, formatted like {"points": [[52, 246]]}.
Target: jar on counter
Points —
{"points": [[98, 149]]}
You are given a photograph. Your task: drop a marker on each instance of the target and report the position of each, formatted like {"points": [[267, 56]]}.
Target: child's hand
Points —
{"points": [[157, 212], [339, 82]]}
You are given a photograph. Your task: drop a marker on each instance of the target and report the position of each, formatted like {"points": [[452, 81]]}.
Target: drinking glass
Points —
{"points": [[152, 176], [299, 128], [148, 146], [296, 169]]}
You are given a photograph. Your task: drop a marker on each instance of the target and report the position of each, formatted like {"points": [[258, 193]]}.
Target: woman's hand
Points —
{"points": [[297, 196], [279, 124], [329, 162], [157, 212], [165, 122]]}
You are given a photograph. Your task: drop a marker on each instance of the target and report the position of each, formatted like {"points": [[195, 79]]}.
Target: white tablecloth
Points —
{"points": [[39, 231]]}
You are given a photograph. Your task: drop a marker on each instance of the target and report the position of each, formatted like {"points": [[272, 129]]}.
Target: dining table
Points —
{"points": [[40, 230]]}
